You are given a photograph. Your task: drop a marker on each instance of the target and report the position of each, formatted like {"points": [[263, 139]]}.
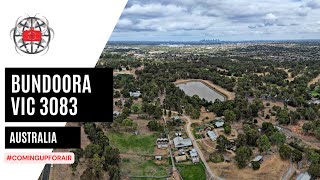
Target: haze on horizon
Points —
{"points": [[227, 20]]}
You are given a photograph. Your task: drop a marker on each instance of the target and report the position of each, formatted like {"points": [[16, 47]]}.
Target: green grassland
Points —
{"points": [[139, 166], [192, 172], [130, 143]]}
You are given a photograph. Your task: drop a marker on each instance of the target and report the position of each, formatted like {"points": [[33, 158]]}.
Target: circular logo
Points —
{"points": [[32, 35]]}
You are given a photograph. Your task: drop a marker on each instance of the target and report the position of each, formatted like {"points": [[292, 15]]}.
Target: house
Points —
{"points": [[162, 143], [212, 135], [194, 156], [175, 118], [218, 119], [180, 158], [181, 152], [218, 124], [258, 158], [135, 94], [116, 113], [179, 142], [304, 176], [158, 158]]}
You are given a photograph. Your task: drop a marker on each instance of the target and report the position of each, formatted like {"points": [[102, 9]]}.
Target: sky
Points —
{"points": [[227, 20]]}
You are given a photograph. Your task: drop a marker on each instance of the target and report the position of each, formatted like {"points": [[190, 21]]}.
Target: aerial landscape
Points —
{"points": [[190, 106]]}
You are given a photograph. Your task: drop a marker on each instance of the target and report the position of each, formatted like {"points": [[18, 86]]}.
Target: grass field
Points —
{"points": [[315, 93], [138, 166], [192, 172], [130, 143]]}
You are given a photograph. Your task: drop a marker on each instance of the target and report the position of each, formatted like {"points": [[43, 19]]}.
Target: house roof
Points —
{"points": [[212, 135], [257, 158], [304, 176], [135, 94], [175, 117], [116, 112], [193, 153], [219, 123], [180, 142]]}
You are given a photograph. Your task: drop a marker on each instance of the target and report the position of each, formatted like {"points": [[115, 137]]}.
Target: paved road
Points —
{"points": [[195, 145]]}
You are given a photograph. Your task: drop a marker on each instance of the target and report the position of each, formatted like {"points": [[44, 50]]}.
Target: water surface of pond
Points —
{"points": [[202, 90]]}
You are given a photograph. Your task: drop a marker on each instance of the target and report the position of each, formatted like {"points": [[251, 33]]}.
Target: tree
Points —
{"points": [[255, 165], [313, 156], [241, 140], [129, 124], [285, 152], [317, 132], [229, 115], [243, 155], [88, 175], [114, 172], [307, 127], [252, 136], [267, 128], [135, 108], [310, 114], [78, 153], [91, 150], [227, 127], [277, 138], [216, 157], [155, 126], [111, 156], [283, 116], [222, 143], [97, 164], [264, 144], [314, 170]]}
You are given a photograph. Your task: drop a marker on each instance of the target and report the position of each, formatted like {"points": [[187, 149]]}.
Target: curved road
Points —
{"points": [[195, 145]]}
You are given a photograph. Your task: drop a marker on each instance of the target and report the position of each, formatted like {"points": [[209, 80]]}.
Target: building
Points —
{"points": [[175, 118], [194, 156], [116, 113], [135, 94], [212, 135], [158, 158], [162, 143], [179, 142], [304, 176], [180, 158], [218, 124], [258, 158]]}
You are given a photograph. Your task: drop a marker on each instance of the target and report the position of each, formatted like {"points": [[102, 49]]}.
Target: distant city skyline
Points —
{"points": [[226, 20]]}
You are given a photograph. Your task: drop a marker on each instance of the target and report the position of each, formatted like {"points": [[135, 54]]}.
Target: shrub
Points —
{"points": [[255, 165], [216, 157]]}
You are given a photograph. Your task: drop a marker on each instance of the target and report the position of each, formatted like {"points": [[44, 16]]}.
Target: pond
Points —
{"points": [[202, 90]]}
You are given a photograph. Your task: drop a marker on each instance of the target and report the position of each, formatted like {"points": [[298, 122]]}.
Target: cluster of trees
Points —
{"points": [[236, 109], [124, 123], [314, 157], [313, 126], [155, 126], [152, 109], [101, 155], [268, 136], [296, 152]]}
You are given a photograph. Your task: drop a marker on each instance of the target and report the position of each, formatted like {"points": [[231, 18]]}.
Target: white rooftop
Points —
{"points": [[257, 158], [212, 135], [180, 142], [304, 176]]}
